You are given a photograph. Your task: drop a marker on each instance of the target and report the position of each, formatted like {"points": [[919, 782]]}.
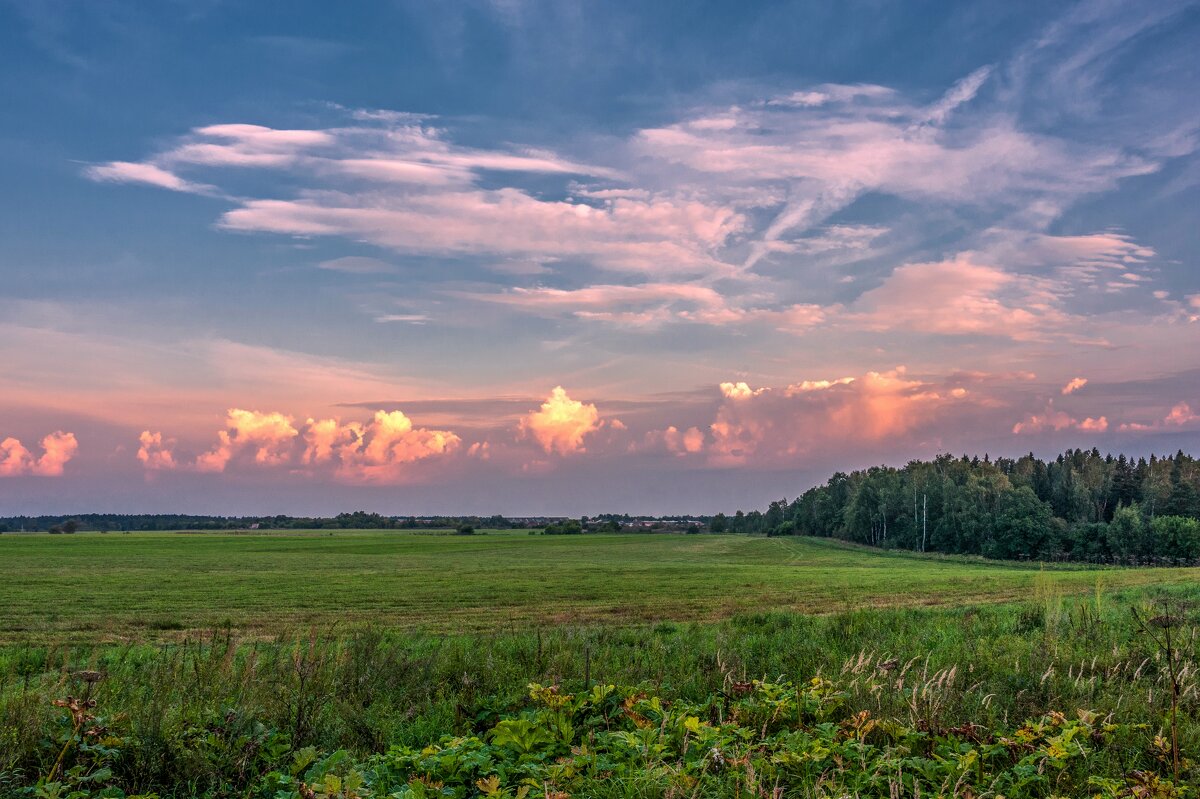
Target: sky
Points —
{"points": [[568, 258]]}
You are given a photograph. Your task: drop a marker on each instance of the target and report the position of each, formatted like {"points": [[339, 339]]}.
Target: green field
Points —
{"points": [[295, 665], [91, 587]]}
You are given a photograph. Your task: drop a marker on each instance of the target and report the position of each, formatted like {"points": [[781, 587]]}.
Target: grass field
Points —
{"points": [[295, 665], [91, 587]]}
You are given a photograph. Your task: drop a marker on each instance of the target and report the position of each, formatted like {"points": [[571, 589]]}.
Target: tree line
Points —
{"points": [[1079, 506], [358, 520]]}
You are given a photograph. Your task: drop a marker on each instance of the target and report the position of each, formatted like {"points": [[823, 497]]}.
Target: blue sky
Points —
{"points": [[299, 258]]}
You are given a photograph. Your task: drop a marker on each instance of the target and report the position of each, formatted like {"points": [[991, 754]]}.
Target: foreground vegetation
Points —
{"points": [[1056, 696], [114, 587]]}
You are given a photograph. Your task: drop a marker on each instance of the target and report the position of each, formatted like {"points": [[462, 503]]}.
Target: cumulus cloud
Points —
{"points": [[14, 458], [772, 425], [1180, 415], [376, 451], [57, 449], [266, 437], [561, 424], [1055, 420], [379, 451], [739, 390], [154, 452], [677, 442], [1073, 385], [817, 385]]}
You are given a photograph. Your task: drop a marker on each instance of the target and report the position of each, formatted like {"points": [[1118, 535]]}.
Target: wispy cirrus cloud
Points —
{"points": [[403, 186], [962, 297], [821, 159], [144, 173], [708, 209], [644, 236]]}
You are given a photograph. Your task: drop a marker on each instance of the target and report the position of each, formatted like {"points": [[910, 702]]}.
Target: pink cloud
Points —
{"points": [[653, 304], [1073, 385], [1089, 259], [689, 441], [377, 451], [267, 437], [1053, 419], [961, 297], [321, 437], [831, 146], [646, 303], [148, 174], [817, 385], [154, 452], [672, 441], [57, 449], [1181, 414], [739, 390], [561, 424], [15, 459], [242, 145], [650, 236], [381, 450], [766, 425], [876, 147]]}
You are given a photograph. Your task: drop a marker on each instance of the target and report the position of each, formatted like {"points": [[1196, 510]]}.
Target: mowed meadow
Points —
{"points": [[114, 587], [372, 664]]}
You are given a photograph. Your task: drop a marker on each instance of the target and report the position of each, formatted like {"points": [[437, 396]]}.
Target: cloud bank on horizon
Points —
{"points": [[790, 267]]}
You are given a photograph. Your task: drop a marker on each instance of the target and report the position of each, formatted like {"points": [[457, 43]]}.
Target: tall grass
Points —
{"points": [[183, 708]]}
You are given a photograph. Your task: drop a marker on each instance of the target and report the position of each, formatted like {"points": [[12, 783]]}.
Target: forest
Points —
{"points": [[1079, 506]]}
